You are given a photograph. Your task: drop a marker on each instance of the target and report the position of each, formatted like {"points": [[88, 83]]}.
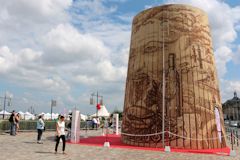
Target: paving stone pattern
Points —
{"points": [[24, 147]]}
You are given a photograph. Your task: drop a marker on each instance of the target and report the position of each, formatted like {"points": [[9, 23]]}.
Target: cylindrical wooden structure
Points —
{"points": [[186, 83]]}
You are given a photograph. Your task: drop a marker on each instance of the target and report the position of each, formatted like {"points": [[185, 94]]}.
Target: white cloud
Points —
{"points": [[65, 44], [55, 82], [148, 6], [43, 53], [126, 17], [93, 8], [88, 57], [224, 55], [109, 72], [101, 74], [236, 56], [24, 58], [23, 21], [41, 11], [23, 68], [84, 79], [7, 59], [28, 55]]}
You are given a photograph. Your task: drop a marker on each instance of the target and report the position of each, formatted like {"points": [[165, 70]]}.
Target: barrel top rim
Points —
{"points": [[170, 4]]}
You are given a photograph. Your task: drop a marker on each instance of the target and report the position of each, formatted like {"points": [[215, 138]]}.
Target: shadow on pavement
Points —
{"points": [[51, 138], [44, 152], [30, 142]]}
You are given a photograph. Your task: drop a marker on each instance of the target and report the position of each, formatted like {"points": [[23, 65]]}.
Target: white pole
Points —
{"points": [[163, 89], [75, 128], [116, 116]]}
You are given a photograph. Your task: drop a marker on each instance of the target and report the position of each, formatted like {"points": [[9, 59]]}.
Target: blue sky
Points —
{"points": [[66, 50]]}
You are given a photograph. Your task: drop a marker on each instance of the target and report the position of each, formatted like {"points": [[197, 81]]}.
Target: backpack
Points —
{"points": [[11, 118]]}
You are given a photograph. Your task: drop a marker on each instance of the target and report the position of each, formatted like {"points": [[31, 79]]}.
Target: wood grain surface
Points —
{"points": [[182, 33]]}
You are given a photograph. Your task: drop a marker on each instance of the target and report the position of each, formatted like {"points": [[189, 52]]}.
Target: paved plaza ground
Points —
{"points": [[24, 147]]}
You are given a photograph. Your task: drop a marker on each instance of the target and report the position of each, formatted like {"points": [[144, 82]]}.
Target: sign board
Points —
{"points": [[218, 123], [91, 101], [54, 103]]}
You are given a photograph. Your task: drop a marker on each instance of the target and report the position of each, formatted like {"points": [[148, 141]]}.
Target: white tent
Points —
{"points": [[28, 116], [37, 115], [55, 115], [41, 113], [84, 117], [6, 112], [47, 116], [102, 112], [22, 114]]}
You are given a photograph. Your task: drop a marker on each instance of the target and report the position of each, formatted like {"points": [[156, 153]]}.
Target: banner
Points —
{"points": [[218, 123], [54, 103]]}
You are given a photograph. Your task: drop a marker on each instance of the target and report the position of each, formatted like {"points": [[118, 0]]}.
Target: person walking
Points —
{"points": [[61, 134], [12, 121], [98, 122], [56, 124], [95, 123], [40, 128]]}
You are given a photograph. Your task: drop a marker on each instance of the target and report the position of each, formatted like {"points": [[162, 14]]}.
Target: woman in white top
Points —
{"points": [[40, 128], [60, 134]]}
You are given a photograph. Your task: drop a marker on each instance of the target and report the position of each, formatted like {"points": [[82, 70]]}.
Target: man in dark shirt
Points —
{"points": [[12, 120]]}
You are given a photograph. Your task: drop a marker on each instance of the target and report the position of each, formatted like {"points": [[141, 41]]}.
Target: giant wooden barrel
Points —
{"points": [[171, 64]]}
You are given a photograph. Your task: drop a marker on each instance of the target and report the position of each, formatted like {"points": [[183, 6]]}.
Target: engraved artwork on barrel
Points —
{"points": [[147, 92], [201, 111], [137, 122], [191, 83], [208, 84], [153, 85], [207, 76]]}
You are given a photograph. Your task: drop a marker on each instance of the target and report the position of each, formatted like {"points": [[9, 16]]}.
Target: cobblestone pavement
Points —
{"points": [[24, 147]]}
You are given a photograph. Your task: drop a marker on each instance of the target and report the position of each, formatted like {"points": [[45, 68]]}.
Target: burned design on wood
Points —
{"points": [[182, 34]]}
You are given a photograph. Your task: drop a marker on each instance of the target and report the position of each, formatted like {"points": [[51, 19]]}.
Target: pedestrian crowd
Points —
{"points": [[60, 128], [14, 120]]}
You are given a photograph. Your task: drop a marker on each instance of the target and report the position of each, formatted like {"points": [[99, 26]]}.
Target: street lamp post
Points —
{"points": [[31, 110], [5, 100], [97, 96], [53, 103]]}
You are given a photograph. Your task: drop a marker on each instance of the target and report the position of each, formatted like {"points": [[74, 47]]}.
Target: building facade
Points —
{"points": [[231, 109]]}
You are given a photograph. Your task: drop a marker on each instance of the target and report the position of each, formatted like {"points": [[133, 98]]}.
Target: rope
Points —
{"points": [[141, 135], [195, 138], [145, 135], [180, 136]]}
